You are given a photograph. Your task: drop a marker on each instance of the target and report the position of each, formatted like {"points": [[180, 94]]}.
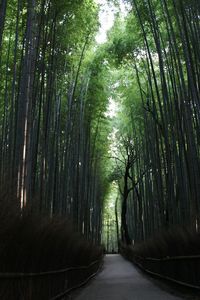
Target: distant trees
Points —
{"points": [[122, 174]]}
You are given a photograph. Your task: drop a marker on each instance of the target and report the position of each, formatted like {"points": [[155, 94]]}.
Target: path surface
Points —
{"points": [[120, 280]]}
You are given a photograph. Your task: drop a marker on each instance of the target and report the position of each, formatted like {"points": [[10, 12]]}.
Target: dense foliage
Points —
{"points": [[55, 88], [157, 167], [52, 103]]}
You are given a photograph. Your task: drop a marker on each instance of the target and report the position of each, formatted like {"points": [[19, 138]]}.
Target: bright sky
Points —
{"points": [[106, 19], [107, 16], [112, 108]]}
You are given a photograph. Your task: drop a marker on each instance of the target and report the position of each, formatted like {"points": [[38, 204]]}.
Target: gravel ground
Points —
{"points": [[120, 280]]}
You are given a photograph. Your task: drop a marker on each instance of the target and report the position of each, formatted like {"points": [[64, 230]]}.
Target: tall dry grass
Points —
{"points": [[31, 243], [177, 241]]}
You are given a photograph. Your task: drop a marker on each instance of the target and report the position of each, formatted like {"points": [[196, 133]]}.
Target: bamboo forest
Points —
{"points": [[99, 138]]}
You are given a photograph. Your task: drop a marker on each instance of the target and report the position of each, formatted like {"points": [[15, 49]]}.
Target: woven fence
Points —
{"points": [[51, 285], [183, 270]]}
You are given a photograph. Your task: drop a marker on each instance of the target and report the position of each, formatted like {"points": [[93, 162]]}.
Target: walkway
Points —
{"points": [[120, 280]]}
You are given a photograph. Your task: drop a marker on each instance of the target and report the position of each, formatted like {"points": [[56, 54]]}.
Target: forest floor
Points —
{"points": [[120, 280]]}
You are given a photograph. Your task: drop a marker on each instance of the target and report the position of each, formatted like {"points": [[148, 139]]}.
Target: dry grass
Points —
{"points": [[35, 244], [178, 241]]}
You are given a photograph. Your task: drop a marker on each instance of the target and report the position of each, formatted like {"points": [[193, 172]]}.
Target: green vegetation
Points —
{"points": [[61, 150], [53, 98], [157, 163]]}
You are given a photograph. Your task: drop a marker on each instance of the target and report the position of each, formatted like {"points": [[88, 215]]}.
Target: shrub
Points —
{"points": [[35, 244], [177, 241]]}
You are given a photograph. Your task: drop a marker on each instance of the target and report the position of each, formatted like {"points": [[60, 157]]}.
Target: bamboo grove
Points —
{"points": [[158, 48], [55, 135], [52, 111]]}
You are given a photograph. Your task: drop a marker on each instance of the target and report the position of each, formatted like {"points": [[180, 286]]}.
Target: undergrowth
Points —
{"points": [[35, 244], [178, 241]]}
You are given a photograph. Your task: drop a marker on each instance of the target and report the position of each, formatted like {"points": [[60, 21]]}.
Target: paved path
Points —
{"points": [[120, 280]]}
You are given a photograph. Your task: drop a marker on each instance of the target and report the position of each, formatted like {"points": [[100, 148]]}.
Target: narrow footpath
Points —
{"points": [[120, 280]]}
